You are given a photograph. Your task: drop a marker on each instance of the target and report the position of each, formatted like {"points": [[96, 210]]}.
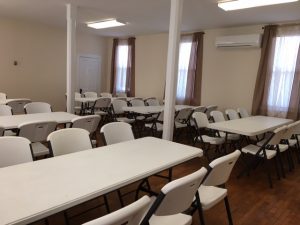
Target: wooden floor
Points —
{"points": [[251, 199]]}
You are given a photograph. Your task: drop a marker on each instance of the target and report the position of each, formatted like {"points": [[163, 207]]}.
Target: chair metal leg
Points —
{"points": [[200, 210], [66, 218], [281, 164], [269, 173], [228, 210], [106, 203], [120, 198]]}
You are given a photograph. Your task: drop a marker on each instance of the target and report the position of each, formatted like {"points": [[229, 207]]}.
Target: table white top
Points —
{"points": [[152, 109], [250, 126], [86, 99], [34, 190], [5, 101], [10, 122]]}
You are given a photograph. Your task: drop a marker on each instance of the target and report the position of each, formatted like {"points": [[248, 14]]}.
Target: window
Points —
{"points": [[121, 67], [286, 50], [183, 66]]}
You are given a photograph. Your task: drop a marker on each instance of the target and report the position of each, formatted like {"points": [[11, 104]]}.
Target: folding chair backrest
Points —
{"points": [[232, 114], [292, 128], [220, 169], [118, 105], [152, 101], [137, 102], [176, 196], [106, 94], [243, 112], [217, 116], [209, 109], [122, 95], [37, 131], [5, 110], [18, 105], [69, 140], [117, 132], [2, 96], [89, 123], [129, 215], [14, 150], [184, 114], [77, 95], [200, 109], [102, 102], [278, 134], [90, 94], [122, 98], [37, 107], [200, 119]]}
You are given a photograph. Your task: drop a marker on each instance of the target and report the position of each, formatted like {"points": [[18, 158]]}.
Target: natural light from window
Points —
{"points": [[183, 67], [121, 73], [284, 65]]}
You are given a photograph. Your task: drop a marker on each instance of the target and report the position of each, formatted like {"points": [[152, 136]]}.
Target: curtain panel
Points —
{"points": [[114, 66], [130, 77], [264, 75], [194, 72]]}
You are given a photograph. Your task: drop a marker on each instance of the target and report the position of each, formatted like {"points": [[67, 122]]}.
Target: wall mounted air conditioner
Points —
{"points": [[239, 41]]}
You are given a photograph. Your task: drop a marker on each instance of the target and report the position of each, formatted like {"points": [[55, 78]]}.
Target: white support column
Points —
{"points": [[172, 68], [71, 55]]}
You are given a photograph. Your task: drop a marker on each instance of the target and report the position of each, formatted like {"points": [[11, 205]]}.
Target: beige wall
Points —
{"points": [[41, 54], [228, 74]]}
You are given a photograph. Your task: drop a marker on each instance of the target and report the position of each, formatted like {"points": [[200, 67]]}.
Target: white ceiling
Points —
{"points": [[146, 16]]}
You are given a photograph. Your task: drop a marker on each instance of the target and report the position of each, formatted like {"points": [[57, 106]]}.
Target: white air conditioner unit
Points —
{"points": [[249, 40]]}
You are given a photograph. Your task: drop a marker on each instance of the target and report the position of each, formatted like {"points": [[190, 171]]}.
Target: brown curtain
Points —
{"points": [[114, 66], [130, 77], [194, 78], [294, 105], [264, 75]]}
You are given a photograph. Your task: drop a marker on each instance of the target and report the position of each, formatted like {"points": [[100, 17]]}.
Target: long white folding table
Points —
{"points": [[152, 109], [11, 122], [5, 101], [250, 126], [35, 190]]}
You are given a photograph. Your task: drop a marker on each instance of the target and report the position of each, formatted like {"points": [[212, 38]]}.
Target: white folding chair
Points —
{"points": [[37, 107], [209, 109], [173, 199], [197, 109], [243, 113], [37, 132], [89, 123], [17, 106], [118, 112], [213, 190], [201, 122], [122, 95], [137, 102], [5, 110], [14, 150], [117, 132], [130, 215], [102, 106], [90, 94], [217, 116], [232, 114], [69, 140], [106, 94], [152, 101], [269, 150], [2, 96], [78, 106]]}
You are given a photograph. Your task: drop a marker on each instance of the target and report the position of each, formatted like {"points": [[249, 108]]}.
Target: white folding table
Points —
{"points": [[152, 109], [35, 190], [11, 122], [250, 126], [5, 101]]}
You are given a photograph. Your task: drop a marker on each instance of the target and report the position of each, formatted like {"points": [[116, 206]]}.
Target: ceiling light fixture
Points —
{"points": [[105, 24], [244, 4]]}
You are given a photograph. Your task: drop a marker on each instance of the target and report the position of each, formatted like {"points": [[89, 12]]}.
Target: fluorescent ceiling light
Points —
{"points": [[105, 24], [244, 4]]}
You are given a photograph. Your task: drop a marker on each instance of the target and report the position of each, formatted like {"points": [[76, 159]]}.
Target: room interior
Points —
{"points": [[33, 61]]}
